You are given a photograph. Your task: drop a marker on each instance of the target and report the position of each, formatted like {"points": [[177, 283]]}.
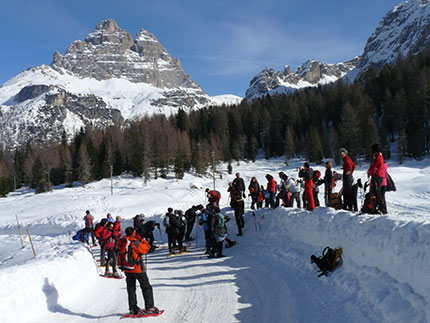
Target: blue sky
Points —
{"points": [[221, 44]]}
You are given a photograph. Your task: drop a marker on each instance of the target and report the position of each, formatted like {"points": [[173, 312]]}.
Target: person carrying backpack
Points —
{"points": [[89, 226], [219, 229], [283, 194], [173, 227], [148, 233], [204, 221], [110, 237], [239, 185], [294, 189], [190, 216], [306, 172], [131, 251]]}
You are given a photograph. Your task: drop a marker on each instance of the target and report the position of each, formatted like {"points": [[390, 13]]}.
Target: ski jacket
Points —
{"points": [[375, 168], [98, 232], [117, 228], [328, 178], [254, 188], [348, 165], [88, 221], [110, 238], [291, 186], [172, 223], [204, 219], [214, 196], [190, 215], [142, 248], [239, 184], [271, 185], [384, 174]]}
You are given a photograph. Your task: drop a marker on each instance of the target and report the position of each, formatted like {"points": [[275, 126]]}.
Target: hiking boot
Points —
{"points": [[116, 274], [136, 311], [220, 255], [233, 243], [239, 234], [152, 310]]}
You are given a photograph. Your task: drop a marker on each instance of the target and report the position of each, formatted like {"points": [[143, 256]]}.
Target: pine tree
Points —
{"points": [[313, 148], [38, 176]]}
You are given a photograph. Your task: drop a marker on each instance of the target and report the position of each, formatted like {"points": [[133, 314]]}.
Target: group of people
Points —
{"points": [[127, 251], [290, 189]]}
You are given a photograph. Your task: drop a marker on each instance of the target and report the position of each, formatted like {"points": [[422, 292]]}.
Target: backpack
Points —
{"points": [[330, 260], [219, 221], [369, 204], [129, 257], [391, 186]]}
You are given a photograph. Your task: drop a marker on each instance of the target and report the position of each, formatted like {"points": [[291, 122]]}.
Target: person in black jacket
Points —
{"points": [[146, 232], [190, 216], [254, 191], [239, 185], [173, 227], [328, 183]]}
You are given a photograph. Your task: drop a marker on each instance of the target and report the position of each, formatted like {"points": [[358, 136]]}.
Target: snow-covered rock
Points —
{"points": [[310, 74]]}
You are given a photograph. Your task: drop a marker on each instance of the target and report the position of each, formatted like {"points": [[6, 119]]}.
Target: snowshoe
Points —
{"points": [[143, 314], [231, 244]]}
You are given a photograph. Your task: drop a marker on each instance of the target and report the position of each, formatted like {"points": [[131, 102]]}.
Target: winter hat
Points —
{"points": [[129, 231], [343, 150]]}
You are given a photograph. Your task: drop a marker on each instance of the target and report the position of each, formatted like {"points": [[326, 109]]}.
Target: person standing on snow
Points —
{"points": [[283, 191], [110, 237], [254, 191], [148, 233], [136, 272], [98, 233], [328, 183], [376, 171], [294, 189], [239, 185], [89, 226], [191, 215], [239, 210], [271, 189], [307, 173], [204, 216], [348, 170]]}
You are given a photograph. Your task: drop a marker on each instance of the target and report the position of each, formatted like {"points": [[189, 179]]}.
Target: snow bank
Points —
{"points": [[47, 281], [386, 262]]}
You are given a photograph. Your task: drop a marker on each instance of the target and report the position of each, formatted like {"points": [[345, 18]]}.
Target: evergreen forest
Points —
{"points": [[389, 105]]}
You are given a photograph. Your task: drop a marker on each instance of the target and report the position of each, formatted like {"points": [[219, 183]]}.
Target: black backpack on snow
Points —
{"points": [[329, 261], [391, 186]]}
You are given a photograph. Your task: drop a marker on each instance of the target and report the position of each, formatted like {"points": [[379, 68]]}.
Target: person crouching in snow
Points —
{"points": [[134, 270], [218, 227], [306, 172]]}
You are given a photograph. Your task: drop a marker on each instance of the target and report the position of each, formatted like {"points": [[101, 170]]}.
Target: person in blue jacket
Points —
{"points": [[204, 221]]}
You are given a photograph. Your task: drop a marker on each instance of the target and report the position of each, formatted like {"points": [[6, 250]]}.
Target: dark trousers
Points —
{"points": [[112, 258], [354, 193], [347, 192], [171, 241], [281, 196], [190, 226], [146, 287], [102, 253], [380, 196], [209, 238], [255, 202], [90, 230], [239, 210], [327, 195], [150, 238], [294, 196], [271, 200], [316, 199]]}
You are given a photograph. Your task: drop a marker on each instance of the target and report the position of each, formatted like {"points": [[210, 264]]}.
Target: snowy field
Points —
{"points": [[266, 277]]}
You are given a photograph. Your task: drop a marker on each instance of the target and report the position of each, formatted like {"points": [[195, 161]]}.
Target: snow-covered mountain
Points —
{"points": [[403, 30], [106, 78], [311, 73]]}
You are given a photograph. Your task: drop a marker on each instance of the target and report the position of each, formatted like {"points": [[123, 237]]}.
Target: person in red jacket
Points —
{"points": [[136, 272], [110, 237], [271, 188], [307, 173], [98, 233], [117, 226], [376, 171], [348, 170]]}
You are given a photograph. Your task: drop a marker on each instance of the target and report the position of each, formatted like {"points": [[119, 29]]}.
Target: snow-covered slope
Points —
{"points": [[266, 277], [310, 74], [110, 74]]}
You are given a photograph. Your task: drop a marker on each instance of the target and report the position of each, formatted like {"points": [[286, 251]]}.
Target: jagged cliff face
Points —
{"points": [[403, 30], [110, 52], [107, 78], [310, 74]]}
